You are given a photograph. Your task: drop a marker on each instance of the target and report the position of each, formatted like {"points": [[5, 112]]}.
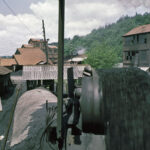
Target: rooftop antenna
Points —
{"points": [[60, 73], [45, 42]]}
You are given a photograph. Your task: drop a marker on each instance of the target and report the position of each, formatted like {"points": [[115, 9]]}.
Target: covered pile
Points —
{"points": [[29, 119]]}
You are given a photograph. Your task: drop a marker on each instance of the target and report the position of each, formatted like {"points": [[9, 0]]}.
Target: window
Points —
{"points": [[137, 38], [129, 40], [130, 55], [145, 40]]}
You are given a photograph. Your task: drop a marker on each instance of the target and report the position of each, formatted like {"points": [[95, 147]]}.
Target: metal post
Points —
{"points": [[60, 68]]}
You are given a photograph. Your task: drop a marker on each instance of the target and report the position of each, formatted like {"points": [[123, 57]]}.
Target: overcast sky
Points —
{"points": [[21, 19]]}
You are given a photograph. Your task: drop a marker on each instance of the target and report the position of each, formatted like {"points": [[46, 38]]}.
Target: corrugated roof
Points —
{"points": [[4, 70], [7, 62], [76, 59], [52, 46], [46, 72], [139, 30]]}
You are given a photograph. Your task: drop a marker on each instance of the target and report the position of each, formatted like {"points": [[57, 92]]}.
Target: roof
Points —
{"points": [[45, 72], [35, 50], [28, 59], [27, 46], [30, 56], [52, 46], [7, 62], [4, 70], [35, 40], [78, 58], [139, 30]]}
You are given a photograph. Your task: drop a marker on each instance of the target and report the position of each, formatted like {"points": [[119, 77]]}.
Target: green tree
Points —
{"points": [[102, 56]]}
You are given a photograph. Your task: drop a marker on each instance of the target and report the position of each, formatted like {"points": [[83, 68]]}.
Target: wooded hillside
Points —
{"points": [[108, 38]]}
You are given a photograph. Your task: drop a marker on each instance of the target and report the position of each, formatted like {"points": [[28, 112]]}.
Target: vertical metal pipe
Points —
{"points": [[60, 67]]}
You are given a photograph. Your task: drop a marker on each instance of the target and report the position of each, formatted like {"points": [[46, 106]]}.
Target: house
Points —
{"points": [[136, 48], [36, 43], [10, 63], [5, 82], [52, 49], [30, 56]]}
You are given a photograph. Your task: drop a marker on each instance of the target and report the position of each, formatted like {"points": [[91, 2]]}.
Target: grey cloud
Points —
{"points": [[82, 16], [135, 3], [19, 6]]}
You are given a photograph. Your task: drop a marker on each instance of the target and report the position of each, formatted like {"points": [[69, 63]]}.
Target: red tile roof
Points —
{"points": [[139, 30], [7, 62], [30, 56], [35, 50], [28, 59]]}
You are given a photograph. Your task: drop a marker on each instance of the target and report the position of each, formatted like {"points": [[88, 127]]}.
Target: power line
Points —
{"points": [[17, 16]]}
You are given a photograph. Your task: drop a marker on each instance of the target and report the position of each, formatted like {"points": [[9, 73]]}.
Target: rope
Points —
{"points": [[10, 120]]}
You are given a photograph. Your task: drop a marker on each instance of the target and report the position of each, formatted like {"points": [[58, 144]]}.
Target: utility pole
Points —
{"points": [[60, 73], [45, 42]]}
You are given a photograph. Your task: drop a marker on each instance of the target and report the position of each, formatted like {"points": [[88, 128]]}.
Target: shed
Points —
{"points": [[10, 63], [6, 62], [44, 75], [45, 72], [4, 80]]}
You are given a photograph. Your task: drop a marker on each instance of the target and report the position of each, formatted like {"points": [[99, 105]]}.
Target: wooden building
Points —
{"points": [[52, 49], [5, 82], [10, 63], [30, 56], [36, 43], [45, 75], [136, 49]]}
